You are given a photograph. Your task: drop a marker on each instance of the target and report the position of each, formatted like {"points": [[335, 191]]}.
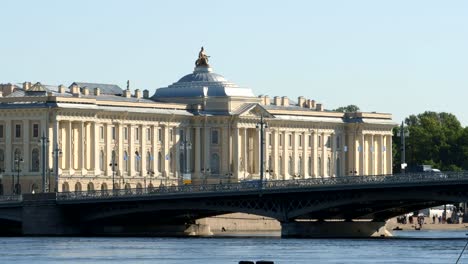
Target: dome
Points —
{"points": [[201, 83]]}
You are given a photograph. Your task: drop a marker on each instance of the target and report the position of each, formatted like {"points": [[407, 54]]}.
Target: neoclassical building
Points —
{"points": [[200, 129]]}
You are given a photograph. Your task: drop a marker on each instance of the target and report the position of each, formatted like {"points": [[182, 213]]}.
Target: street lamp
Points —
{"points": [[113, 165], [403, 134], [262, 125], [57, 153], [205, 175], [16, 187], [185, 145], [44, 142], [150, 174]]}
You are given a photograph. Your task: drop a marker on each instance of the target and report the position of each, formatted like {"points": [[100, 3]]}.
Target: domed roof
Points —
{"points": [[201, 83]]}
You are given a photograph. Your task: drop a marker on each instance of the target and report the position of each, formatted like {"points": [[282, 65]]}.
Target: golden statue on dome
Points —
{"points": [[202, 58]]}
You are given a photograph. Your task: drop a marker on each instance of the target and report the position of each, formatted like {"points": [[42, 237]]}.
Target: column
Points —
{"points": [[131, 151], [295, 143], [362, 155], [305, 154], [26, 155], [206, 148], [188, 137], [70, 148], [333, 155], [246, 149], [276, 155], [154, 144], [8, 148], [81, 142], [314, 172], [144, 151], [120, 150], [176, 155], [165, 152], [258, 158], [324, 172], [388, 152], [96, 148], [285, 156], [197, 152], [224, 159], [235, 153], [380, 156], [55, 137], [109, 144]]}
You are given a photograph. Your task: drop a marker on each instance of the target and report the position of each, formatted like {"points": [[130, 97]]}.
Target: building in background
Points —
{"points": [[203, 127]]}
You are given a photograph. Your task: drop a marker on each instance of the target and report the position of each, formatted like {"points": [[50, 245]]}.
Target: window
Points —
{"points": [[299, 167], [137, 133], [101, 161], [280, 165], [328, 144], [328, 167], [101, 132], [269, 140], [18, 131], [319, 143], [214, 136], [310, 165], [160, 135], [149, 159], [148, 134], [338, 167], [126, 161], [159, 162], [291, 166], [281, 140], [35, 130], [35, 160], [300, 140], [290, 140], [319, 166], [170, 134], [113, 133], [1, 131], [214, 163], [337, 141], [181, 134], [125, 132], [310, 141]]}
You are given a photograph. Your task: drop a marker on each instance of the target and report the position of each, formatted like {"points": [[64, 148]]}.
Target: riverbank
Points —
{"points": [[238, 224], [392, 224]]}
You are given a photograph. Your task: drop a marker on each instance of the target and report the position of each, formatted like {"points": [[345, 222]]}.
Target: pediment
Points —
{"points": [[253, 110]]}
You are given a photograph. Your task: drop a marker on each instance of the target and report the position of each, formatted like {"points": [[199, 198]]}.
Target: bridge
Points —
{"points": [[341, 206]]}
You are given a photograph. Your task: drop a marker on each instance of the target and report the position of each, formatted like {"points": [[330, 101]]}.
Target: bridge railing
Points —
{"points": [[10, 198], [256, 185]]}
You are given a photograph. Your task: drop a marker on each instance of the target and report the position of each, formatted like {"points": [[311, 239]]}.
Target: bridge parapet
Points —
{"points": [[249, 186]]}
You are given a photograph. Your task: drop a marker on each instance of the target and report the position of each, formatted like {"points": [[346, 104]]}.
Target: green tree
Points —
{"points": [[348, 109], [434, 138]]}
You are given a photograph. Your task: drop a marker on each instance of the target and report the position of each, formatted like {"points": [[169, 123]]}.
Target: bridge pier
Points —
{"points": [[319, 229], [42, 217]]}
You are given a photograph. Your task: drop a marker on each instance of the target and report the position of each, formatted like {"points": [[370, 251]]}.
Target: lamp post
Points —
{"points": [[262, 125], [185, 145], [205, 175], [113, 164], [403, 134], [16, 187], [44, 142], [150, 173], [57, 153]]}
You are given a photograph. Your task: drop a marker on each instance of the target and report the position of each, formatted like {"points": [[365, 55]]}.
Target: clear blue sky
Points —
{"points": [[400, 57]]}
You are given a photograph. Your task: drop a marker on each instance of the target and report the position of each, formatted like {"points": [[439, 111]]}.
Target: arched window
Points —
{"points": [[65, 187], [160, 162], [291, 166], [214, 163], [104, 187], [150, 187], [137, 162], [139, 188], [127, 187], [125, 161], [90, 187], [116, 186], [78, 187], [319, 167], [35, 160], [101, 160], [328, 167]]}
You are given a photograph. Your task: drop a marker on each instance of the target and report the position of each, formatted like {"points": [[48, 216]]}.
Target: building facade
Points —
{"points": [[202, 128]]}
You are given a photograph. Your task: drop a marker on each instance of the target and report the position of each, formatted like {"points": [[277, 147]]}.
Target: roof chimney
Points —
{"points": [[137, 93], [145, 94], [301, 101], [26, 86], [127, 94], [97, 91], [284, 101], [319, 107], [75, 89], [277, 100], [86, 91], [61, 88]]}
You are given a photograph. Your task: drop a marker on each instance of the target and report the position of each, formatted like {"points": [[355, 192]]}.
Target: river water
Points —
{"points": [[423, 246]]}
